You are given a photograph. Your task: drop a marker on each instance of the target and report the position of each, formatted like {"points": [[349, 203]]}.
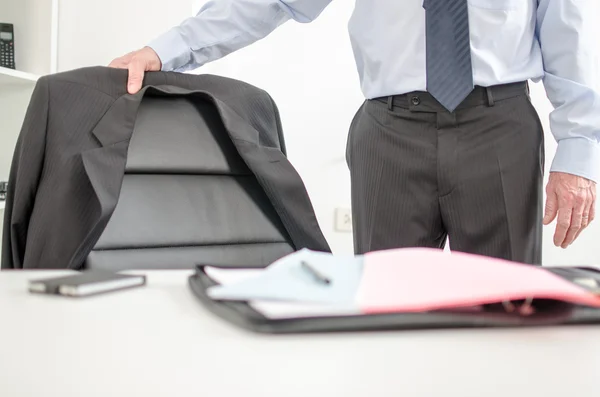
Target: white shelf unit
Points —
{"points": [[35, 34], [9, 77]]}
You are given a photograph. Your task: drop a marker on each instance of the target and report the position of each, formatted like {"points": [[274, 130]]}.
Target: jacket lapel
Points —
{"points": [[105, 167]]}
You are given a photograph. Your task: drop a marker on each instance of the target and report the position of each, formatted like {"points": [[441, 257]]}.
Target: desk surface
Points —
{"points": [[158, 341]]}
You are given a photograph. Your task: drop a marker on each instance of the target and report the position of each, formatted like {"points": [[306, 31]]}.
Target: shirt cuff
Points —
{"points": [[172, 50], [578, 156]]}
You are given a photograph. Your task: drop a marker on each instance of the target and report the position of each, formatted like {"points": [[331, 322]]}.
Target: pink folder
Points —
{"points": [[422, 279]]}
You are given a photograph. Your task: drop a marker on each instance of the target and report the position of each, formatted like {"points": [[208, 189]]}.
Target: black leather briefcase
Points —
{"points": [[546, 313]]}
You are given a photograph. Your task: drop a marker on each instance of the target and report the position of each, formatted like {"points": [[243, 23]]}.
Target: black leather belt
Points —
{"points": [[424, 102]]}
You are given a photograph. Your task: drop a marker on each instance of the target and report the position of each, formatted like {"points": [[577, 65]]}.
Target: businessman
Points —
{"points": [[447, 142]]}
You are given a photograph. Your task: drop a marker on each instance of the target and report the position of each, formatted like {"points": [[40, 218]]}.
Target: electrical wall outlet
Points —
{"points": [[343, 220]]}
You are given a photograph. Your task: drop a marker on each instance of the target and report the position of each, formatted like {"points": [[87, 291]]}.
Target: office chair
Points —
{"points": [[187, 197]]}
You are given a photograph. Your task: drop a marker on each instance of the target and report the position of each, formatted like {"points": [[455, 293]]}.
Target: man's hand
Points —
{"points": [[573, 199], [137, 62]]}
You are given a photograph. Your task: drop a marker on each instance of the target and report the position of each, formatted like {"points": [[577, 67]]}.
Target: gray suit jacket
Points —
{"points": [[71, 154]]}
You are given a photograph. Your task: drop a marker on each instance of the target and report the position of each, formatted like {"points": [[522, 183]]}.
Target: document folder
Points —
{"points": [[547, 313]]}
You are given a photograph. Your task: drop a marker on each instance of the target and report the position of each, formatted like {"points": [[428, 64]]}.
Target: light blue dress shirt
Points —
{"points": [[511, 40]]}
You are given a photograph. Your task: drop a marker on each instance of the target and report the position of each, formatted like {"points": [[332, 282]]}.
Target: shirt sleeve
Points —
{"points": [[224, 26], [568, 35]]}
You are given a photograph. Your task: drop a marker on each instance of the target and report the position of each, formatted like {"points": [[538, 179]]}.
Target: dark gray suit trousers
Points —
{"points": [[421, 174]]}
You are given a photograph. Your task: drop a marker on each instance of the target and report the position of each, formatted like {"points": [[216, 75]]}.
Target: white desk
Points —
{"points": [[159, 341]]}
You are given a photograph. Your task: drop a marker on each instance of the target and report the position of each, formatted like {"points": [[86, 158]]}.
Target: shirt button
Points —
{"points": [[415, 100]]}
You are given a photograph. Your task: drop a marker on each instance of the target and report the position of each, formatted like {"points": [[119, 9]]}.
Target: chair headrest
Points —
{"points": [[180, 135]]}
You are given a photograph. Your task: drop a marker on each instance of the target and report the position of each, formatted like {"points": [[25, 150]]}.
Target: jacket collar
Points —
{"points": [[118, 122]]}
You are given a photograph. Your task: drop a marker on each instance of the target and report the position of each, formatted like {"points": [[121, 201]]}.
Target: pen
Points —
{"points": [[315, 273]]}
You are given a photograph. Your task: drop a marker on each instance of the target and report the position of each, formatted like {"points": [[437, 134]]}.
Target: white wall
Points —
{"points": [[93, 32], [308, 69], [33, 33]]}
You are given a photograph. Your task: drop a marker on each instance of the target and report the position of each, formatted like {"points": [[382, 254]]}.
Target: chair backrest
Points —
{"points": [[187, 197]]}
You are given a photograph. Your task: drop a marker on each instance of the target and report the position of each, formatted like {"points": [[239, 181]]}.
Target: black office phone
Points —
{"points": [[7, 46]]}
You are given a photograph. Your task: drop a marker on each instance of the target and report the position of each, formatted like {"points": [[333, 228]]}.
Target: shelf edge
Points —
{"points": [[19, 75]]}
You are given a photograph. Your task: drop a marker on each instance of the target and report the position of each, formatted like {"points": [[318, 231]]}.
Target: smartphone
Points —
{"points": [[86, 283]]}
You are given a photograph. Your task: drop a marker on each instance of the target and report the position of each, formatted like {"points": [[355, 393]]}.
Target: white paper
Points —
{"points": [[229, 276], [287, 280], [278, 310]]}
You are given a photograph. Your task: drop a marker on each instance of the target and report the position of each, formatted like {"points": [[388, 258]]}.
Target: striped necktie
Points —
{"points": [[449, 69]]}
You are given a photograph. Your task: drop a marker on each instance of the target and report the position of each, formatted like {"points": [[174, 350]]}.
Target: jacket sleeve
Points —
{"points": [[24, 177]]}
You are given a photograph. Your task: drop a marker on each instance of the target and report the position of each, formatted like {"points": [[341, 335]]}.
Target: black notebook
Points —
{"points": [[86, 283]]}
